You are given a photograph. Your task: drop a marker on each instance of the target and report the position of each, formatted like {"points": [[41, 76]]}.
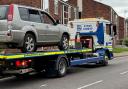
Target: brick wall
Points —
{"points": [[34, 3], [51, 10], [122, 32], [59, 16]]}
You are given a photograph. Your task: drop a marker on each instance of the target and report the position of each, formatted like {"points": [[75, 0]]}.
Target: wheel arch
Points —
{"points": [[30, 32], [66, 59], [66, 33], [106, 51]]}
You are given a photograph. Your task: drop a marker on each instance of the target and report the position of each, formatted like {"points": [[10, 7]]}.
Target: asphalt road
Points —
{"points": [[113, 76]]}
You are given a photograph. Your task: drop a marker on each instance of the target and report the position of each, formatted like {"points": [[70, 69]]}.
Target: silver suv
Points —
{"points": [[28, 28]]}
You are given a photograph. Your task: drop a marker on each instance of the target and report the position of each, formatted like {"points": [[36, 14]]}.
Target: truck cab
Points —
{"points": [[93, 32]]}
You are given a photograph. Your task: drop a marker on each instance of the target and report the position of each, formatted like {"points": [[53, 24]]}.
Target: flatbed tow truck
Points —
{"points": [[56, 62]]}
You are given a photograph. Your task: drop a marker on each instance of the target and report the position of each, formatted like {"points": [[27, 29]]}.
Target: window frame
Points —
{"points": [[42, 12], [39, 15], [27, 14], [56, 7]]}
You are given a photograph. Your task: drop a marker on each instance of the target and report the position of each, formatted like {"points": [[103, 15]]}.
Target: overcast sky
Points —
{"points": [[120, 6]]}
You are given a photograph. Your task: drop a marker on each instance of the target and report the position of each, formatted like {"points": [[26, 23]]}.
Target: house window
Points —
{"points": [[45, 5], [69, 12], [56, 7]]}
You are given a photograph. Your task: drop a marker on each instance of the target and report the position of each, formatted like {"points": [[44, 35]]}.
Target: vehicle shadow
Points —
{"points": [[15, 82]]}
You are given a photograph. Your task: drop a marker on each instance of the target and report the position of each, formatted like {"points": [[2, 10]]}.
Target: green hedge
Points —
{"points": [[125, 42], [119, 50]]}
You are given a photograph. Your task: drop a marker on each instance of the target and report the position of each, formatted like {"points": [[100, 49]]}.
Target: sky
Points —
{"points": [[120, 6]]}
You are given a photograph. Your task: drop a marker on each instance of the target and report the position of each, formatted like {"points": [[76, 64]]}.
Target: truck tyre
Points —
{"points": [[62, 67], [64, 43], [105, 61], [57, 68], [29, 44]]}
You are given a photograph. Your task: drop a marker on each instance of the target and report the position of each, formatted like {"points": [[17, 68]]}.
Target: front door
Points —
{"points": [[52, 30]]}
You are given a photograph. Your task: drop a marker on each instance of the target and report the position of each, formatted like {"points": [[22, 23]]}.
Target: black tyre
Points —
{"points": [[62, 67], [64, 43], [105, 61], [57, 68], [29, 44]]}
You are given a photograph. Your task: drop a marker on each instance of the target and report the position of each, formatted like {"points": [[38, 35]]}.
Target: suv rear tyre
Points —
{"points": [[64, 43], [29, 44]]}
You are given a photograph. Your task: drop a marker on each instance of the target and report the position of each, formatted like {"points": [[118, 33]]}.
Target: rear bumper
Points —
{"points": [[20, 71], [16, 38]]}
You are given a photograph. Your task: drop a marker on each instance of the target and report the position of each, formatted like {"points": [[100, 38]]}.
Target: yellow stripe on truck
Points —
{"points": [[2, 57], [14, 56], [42, 54]]}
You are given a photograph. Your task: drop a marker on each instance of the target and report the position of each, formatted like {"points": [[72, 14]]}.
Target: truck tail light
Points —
{"points": [[23, 63]]}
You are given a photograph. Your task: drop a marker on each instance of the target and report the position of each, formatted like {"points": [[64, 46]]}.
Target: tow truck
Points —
{"points": [[89, 43]]}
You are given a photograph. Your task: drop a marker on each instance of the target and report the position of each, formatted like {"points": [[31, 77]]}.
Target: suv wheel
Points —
{"points": [[29, 44], [64, 44]]}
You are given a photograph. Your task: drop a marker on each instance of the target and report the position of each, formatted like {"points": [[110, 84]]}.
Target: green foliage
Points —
{"points": [[125, 42], [120, 50]]}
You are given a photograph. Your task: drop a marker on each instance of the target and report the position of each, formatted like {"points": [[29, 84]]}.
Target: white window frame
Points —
{"points": [[44, 6], [56, 6], [69, 12]]}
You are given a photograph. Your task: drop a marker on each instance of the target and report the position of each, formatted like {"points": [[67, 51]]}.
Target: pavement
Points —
{"points": [[121, 54], [113, 76]]}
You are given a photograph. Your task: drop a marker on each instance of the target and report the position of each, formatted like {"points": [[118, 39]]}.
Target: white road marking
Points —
{"points": [[124, 73], [44, 85], [90, 84]]}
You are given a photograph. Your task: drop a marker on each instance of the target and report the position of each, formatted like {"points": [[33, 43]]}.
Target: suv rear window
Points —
{"points": [[24, 13], [34, 16], [3, 14]]}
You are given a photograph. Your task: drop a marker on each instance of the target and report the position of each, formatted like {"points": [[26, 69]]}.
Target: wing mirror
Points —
{"points": [[57, 21]]}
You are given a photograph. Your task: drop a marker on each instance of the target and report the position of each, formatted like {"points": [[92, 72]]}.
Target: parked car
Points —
{"points": [[28, 28]]}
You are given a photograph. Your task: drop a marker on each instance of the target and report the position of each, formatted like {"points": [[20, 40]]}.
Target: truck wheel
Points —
{"points": [[57, 68], [64, 43], [105, 61], [29, 44], [62, 67]]}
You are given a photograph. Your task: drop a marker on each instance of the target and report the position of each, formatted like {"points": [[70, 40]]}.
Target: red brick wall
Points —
{"points": [[34, 3], [121, 28], [51, 10], [60, 8], [93, 9], [73, 2]]}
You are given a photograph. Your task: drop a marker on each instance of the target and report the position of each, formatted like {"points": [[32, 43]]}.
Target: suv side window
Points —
{"points": [[24, 13], [34, 16], [47, 19]]}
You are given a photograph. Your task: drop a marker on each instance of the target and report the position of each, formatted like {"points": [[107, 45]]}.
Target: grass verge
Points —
{"points": [[120, 50]]}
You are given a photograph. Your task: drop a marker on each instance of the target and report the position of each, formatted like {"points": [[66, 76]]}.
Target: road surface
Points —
{"points": [[114, 76]]}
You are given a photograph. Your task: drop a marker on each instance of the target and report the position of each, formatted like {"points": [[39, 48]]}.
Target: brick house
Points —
{"points": [[126, 26], [62, 11], [34, 3], [122, 32]]}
